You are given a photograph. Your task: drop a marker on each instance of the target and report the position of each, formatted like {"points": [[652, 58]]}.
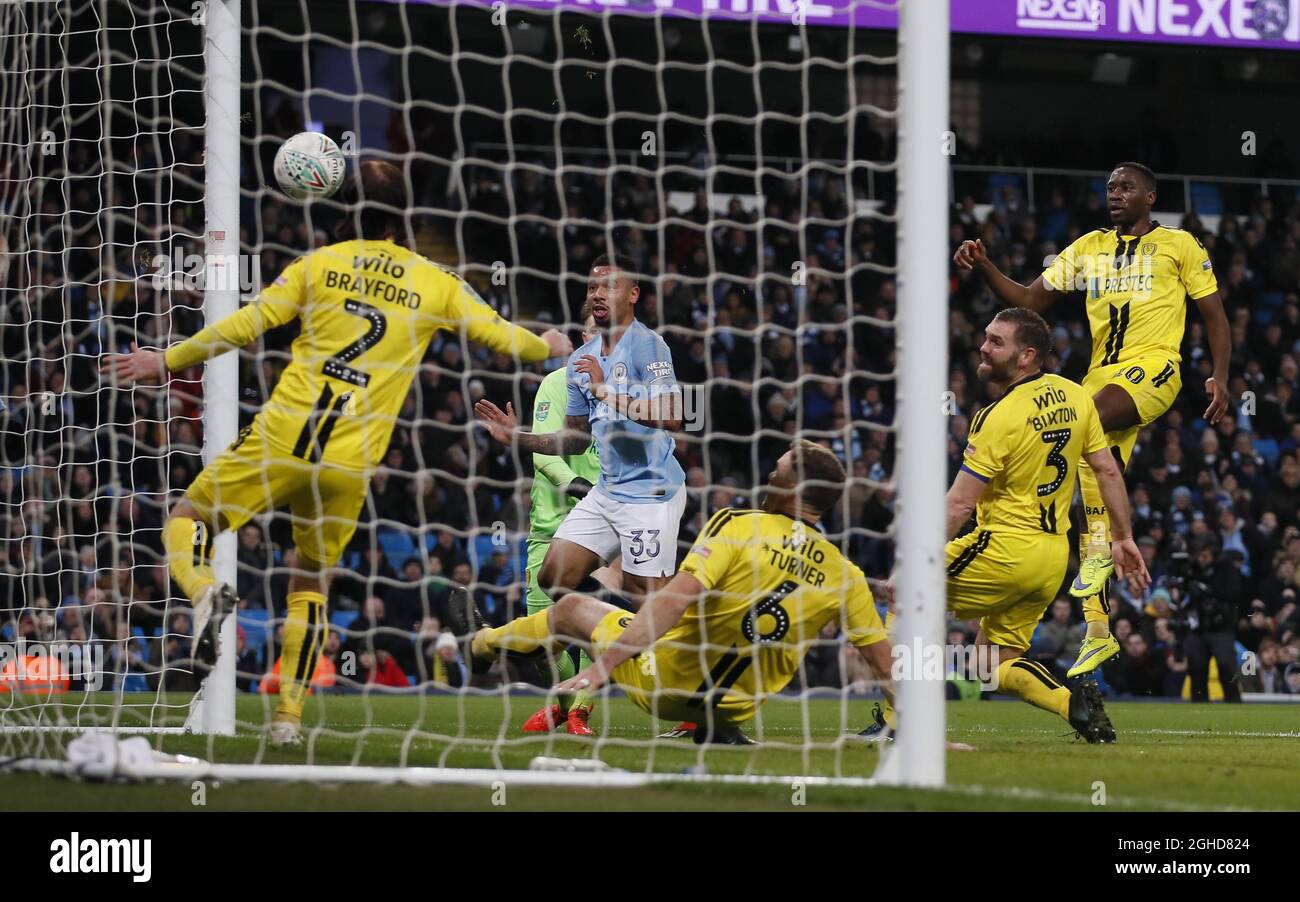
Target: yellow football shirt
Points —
{"points": [[773, 583], [369, 310], [1136, 289], [1026, 446]]}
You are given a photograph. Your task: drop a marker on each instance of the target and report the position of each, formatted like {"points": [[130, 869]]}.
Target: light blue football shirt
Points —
{"points": [[636, 462]]}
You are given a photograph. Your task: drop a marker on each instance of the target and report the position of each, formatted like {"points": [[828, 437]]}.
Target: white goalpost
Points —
{"points": [[737, 178], [213, 712], [923, 159]]}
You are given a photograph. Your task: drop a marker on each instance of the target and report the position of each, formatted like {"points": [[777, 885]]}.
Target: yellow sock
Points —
{"points": [[1035, 684], [582, 698], [886, 706], [1096, 613], [1096, 609], [304, 635], [184, 539], [522, 636]]}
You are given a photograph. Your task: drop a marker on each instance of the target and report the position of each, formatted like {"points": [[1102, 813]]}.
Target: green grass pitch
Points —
{"points": [[1172, 756]]}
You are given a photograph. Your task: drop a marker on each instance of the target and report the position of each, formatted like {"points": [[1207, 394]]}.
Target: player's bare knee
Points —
{"points": [[575, 616], [184, 508], [562, 614], [569, 603]]}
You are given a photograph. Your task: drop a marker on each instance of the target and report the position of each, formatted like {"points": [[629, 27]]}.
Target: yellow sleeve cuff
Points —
{"points": [[184, 355]]}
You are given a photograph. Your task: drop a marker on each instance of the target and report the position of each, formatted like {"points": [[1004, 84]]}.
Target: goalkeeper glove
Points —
{"points": [[577, 488]]}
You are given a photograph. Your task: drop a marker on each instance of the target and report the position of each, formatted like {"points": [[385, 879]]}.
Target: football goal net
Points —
{"points": [[777, 174]]}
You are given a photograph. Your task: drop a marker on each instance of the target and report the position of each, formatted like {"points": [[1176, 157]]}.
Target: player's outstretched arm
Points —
{"points": [[1216, 325], [962, 498], [503, 426], [660, 613], [234, 331], [1110, 481], [485, 326], [1036, 296]]}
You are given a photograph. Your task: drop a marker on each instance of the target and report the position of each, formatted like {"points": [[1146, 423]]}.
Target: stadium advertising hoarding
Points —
{"points": [[1261, 24]]}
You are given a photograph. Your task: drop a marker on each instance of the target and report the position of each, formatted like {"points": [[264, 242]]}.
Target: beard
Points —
{"points": [[995, 372]]}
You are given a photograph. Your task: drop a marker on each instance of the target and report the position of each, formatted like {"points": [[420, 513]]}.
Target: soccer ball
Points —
{"points": [[309, 165]]}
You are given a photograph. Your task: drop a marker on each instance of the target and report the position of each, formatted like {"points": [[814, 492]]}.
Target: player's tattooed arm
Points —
{"points": [[503, 426], [574, 438], [1036, 296], [663, 411], [660, 412], [1216, 326]]}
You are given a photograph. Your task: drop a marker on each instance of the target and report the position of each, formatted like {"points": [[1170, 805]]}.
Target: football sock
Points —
{"points": [[1035, 684], [304, 634], [562, 666], [527, 635], [1096, 613], [582, 698], [523, 636], [182, 543], [887, 707], [1096, 540]]}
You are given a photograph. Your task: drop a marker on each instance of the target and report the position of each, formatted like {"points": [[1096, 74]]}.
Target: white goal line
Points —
{"points": [[325, 774], [432, 776], [9, 729]]}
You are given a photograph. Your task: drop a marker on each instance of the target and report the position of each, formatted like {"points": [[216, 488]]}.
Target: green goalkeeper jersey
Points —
{"points": [[553, 473]]}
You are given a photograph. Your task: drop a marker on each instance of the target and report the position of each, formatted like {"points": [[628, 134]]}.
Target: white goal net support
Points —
{"points": [[751, 164]]}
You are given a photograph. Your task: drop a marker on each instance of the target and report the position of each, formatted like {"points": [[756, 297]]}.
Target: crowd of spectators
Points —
{"points": [[776, 305]]}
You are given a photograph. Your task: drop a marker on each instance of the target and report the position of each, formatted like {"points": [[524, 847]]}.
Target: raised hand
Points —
{"points": [[1129, 564], [971, 254], [1218, 393], [501, 425], [590, 367], [143, 366], [558, 342]]}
